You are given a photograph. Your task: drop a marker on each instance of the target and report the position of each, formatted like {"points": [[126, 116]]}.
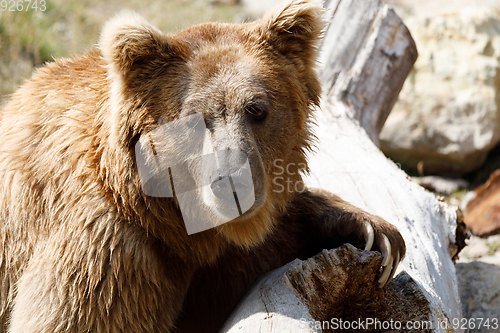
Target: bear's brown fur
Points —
{"points": [[83, 249]]}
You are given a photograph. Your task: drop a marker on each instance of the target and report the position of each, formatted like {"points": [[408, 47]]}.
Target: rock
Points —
{"points": [[406, 8], [466, 199], [478, 248], [479, 286], [442, 185], [493, 259], [482, 214], [447, 117]]}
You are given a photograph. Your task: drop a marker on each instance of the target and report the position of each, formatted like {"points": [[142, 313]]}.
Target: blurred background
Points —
{"points": [[444, 131], [67, 28]]}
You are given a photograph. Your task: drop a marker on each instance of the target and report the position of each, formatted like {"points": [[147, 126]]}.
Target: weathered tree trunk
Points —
{"points": [[366, 56]]}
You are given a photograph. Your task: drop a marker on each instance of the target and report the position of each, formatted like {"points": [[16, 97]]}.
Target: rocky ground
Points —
{"points": [[484, 249], [478, 272], [478, 266]]}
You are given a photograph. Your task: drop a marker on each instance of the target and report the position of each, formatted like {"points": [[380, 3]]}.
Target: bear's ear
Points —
{"points": [[128, 40], [134, 52], [295, 27]]}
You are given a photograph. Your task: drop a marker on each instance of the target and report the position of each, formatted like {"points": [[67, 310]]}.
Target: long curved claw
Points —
{"points": [[385, 247], [390, 260], [384, 278], [387, 262], [369, 236], [395, 266]]}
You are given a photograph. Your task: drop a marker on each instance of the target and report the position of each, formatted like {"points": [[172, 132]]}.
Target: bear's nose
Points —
{"points": [[230, 186]]}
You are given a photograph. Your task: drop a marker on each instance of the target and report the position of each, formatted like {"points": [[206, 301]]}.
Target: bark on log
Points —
{"points": [[366, 55]]}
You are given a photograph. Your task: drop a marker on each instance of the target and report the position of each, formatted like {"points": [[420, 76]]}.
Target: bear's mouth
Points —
{"points": [[231, 186]]}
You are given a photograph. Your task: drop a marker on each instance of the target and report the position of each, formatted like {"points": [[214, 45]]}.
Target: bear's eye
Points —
{"points": [[258, 112]]}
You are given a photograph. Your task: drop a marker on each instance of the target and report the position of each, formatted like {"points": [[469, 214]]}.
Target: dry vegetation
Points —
{"points": [[30, 38]]}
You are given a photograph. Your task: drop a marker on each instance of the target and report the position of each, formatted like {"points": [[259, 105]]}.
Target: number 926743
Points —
{"points": [[23, 5]]}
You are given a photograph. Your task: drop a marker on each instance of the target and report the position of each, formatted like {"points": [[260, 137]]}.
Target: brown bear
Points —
{"points": [[84, 247]]}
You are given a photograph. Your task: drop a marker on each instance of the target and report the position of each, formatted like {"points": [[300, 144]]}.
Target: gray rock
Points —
{"points": [[448, 113], [445, 186], [479, 287]]}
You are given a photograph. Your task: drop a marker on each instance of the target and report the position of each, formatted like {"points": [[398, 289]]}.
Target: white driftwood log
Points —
{"points": [[366, 56]]}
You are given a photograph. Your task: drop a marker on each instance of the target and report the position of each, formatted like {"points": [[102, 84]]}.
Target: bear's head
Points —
{"points": [[217, 115]]}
